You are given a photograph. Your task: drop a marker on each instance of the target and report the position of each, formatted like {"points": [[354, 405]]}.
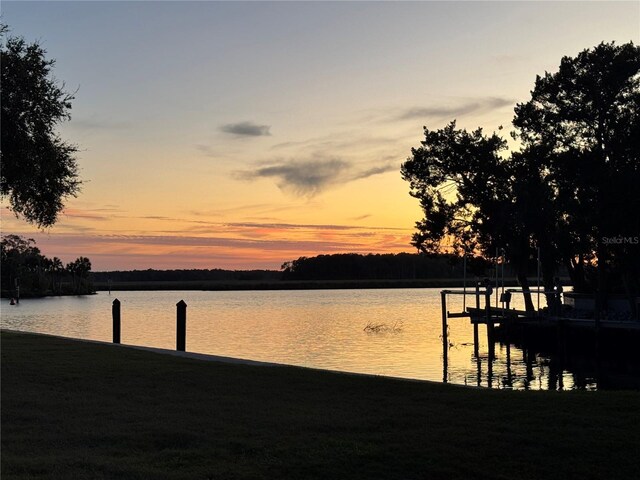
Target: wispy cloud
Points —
{"points": [[337, 141], [309, 226], [481, 105], [246, 129], [204, 241], [373, 171], [308, 177], [85, 214], [95, 122], [206, 150], [301, 177]]}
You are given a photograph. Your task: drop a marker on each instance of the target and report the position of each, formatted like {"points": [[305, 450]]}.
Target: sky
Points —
{"points": [[245, 134]]}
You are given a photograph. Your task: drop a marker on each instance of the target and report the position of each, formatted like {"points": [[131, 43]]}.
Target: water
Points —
{"points": [[312, 328]]}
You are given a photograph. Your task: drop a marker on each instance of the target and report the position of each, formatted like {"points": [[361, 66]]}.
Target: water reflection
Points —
{"points": [[327, 329], [551, 361]]}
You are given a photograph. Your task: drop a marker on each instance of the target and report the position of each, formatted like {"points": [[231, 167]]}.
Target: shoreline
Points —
{"points": [[206, 357], [292, 284], [246, 285]]}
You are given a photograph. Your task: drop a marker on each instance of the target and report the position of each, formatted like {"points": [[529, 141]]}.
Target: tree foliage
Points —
{"points": [[572, 185], [583, 126], [388, 266], [39, 169], [467, 188], [22, 264]]}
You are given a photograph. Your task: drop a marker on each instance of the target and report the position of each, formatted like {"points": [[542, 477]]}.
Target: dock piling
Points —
{"points": [[445, 340], [489, 325], [181, 325], [115, 313], [476, 342]]}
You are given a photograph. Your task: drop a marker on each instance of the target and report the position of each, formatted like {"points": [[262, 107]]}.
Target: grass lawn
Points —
{"points": [[87, 411]]}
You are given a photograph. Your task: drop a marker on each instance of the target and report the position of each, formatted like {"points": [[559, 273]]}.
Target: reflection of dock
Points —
{"points": [[507, 319]]}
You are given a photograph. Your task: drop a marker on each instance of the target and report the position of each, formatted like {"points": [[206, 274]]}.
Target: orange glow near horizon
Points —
{"points": [[165, 243]]}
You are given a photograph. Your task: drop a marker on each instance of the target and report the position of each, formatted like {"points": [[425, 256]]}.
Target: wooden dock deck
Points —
{"points": [[501, 316]]}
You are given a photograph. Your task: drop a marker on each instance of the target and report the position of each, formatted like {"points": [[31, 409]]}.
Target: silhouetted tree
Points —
{"points": [[79, 270], [20, 263], [583, 122], [39, 170], [571, 186], [466, 190], [56, 270], [38, 275], [387, 266]]}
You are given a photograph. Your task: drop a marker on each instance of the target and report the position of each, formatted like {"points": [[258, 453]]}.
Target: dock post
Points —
{"points": [[509, 372], [489, 327], [445, 340], [181, 326], [115, 314], [476, 342]]}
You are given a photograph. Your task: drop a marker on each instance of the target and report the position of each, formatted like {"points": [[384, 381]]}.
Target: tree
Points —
{"points": [[584, 122], [20, 260], [466, 190], [36, 274], [571, 186], [39, 170], [79, 269], [56, 269]]}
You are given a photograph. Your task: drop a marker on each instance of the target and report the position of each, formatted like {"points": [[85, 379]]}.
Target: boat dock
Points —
{"points": [[482, 312]]}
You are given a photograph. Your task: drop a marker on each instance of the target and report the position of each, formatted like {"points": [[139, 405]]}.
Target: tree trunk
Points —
{"points": [[576, 273], [548, 273], [601, 293], [526, 292]]}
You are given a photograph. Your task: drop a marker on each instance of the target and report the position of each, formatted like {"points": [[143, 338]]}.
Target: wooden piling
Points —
{"points": [[115, 314], [181, 325], [489, 326], [476, 342], [445, 340]]}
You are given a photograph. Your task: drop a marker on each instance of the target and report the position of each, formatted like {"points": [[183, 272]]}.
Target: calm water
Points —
{"points": [[318, 328]]}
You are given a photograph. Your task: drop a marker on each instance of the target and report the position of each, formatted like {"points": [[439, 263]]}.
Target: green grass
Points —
{"points": [[88, 411]]}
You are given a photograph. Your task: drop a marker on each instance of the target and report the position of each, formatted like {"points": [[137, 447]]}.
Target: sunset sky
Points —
{"points": [[245, 134]]}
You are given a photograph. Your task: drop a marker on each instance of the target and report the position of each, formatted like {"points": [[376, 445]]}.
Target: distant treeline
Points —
{"points": [[388, 266], [347, 266], [215, 275]]}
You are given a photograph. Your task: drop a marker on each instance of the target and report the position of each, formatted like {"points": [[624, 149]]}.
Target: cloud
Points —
{"points": [[246, 129], [308, 177], [309, 226], [301, 177], [209, 241], [374, 171], [472, 106], [206, 150], [78, 213], [337, 141], [95, 122]]}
